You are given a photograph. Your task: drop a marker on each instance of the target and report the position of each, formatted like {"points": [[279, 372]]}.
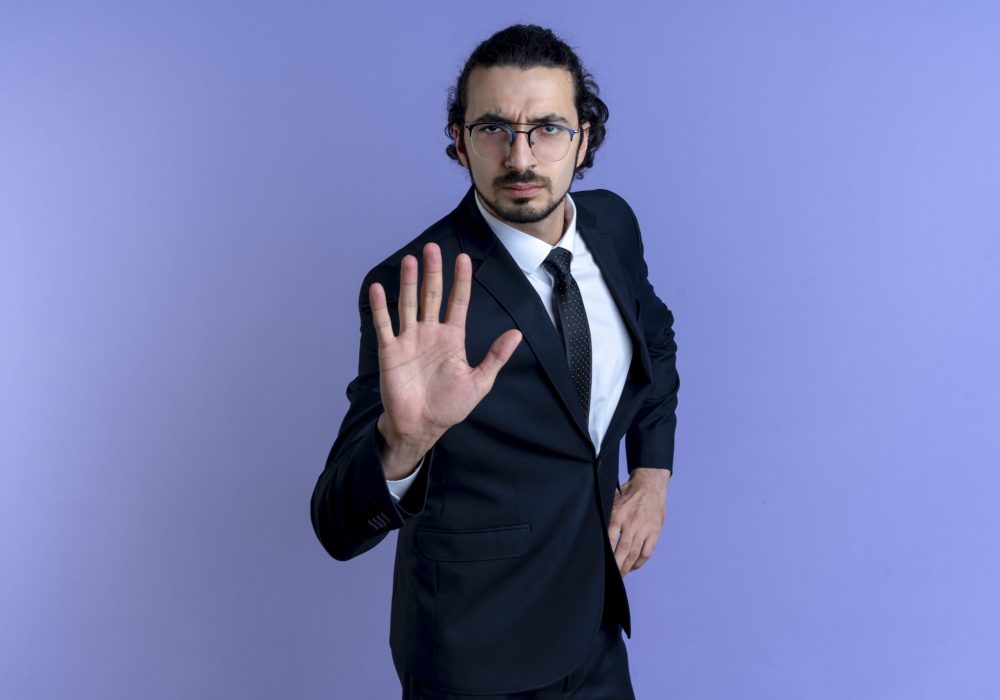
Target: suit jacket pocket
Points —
{"points": [[474, 545]]}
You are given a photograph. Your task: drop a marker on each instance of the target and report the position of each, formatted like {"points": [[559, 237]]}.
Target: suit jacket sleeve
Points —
{"points": [[352, 508], [649, 441]]}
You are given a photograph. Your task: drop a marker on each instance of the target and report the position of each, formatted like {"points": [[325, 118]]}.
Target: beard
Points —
{"points": [[521, 211]]}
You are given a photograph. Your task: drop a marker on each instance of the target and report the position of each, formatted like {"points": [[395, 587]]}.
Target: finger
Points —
{"points": [[645, 553], [380, 315], [622, 551], [407, 293], [461, 292], [635, 551], [501, 350], [431, 292]]}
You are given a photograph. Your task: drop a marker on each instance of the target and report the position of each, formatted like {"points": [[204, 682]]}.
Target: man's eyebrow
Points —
{"points": [[550, 118]]}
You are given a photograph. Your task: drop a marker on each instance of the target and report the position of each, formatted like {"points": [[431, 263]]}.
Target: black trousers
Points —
{"points": [[604, 675]]}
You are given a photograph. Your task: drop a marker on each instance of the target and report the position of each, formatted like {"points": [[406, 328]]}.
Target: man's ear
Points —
{"points": [[584, 141], [463, 156]]}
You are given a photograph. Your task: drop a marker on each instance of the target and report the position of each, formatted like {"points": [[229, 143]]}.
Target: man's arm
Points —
{"points": [[352, 505], [639, 507], [649, 441]]}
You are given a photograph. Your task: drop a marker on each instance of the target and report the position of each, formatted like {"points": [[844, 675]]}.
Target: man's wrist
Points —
{"points": [[400, 457], [654, 475]]}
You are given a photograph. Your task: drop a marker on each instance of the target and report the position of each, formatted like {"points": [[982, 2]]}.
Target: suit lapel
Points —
{"points": [[603, 252]]}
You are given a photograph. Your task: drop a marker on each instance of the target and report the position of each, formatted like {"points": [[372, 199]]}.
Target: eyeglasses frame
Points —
{"points": [[514, 132]]}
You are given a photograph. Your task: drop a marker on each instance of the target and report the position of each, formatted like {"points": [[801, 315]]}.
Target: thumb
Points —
{"points": [[501, 350]]}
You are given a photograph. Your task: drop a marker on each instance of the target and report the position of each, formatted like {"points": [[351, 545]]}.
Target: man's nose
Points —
{"points": [[519, 155]]}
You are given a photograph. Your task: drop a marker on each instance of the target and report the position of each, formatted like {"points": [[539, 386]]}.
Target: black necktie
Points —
{"points": [[573, 323]]}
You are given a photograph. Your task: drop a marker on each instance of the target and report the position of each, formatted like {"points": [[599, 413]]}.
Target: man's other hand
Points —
{"points": [[637, 517]]}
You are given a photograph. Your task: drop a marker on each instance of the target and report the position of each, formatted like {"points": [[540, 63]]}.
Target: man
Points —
{"points": [[502, 475]]}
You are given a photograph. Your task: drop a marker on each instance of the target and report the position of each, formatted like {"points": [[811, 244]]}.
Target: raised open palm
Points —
{"points": [[426, 382]]}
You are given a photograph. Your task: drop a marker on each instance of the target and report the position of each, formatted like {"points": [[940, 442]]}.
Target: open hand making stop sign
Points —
{"points": [[425, 380]]}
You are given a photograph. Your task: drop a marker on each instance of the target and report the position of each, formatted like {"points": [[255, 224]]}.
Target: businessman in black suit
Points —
{"points": [[502, 475]]}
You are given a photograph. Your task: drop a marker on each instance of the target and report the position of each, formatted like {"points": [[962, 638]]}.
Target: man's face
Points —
{"points": [[537, 95]]}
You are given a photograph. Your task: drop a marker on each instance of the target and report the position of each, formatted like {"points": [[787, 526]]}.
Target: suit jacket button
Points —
{"points": [[378, 522]]}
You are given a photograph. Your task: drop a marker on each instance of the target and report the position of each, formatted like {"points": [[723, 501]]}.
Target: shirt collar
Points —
{"points": [[530, 252]]}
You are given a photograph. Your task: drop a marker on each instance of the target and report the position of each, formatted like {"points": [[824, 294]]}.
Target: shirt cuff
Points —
{"points": [[399, 487]]}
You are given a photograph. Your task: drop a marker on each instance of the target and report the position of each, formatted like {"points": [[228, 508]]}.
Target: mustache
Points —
{"points": [[528, 177]]}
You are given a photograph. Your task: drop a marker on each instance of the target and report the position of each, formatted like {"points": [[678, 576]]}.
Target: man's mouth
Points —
{"points": [[523, 190]]}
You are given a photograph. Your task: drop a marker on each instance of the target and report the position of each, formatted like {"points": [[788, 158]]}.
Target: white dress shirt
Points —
{"points": [[611, 345]]}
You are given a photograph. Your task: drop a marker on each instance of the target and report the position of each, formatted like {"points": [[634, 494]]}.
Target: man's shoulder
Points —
{"points": [[608, 213], [601, 200]]}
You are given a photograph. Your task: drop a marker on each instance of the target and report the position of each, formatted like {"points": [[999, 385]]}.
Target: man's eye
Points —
{"points": [[550, 130], [490, 129]]}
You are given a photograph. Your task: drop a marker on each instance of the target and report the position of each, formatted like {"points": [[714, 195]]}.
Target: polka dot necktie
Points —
{"points": [[573, 323]]}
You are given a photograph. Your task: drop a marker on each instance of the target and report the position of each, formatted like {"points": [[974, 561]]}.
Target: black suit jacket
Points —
{"points": [[503, 561]]}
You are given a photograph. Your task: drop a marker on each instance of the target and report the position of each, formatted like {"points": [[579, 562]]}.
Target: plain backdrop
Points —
{"points": [[191, 193]]}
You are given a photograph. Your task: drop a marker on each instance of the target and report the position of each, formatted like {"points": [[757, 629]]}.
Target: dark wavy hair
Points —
{"points": [[526, 46]]}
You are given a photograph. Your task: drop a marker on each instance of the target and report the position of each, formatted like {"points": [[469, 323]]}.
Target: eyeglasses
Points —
{"points": [[549, 142]]}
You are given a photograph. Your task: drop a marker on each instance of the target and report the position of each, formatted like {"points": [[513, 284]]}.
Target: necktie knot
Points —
{"points": [[558, 261]]}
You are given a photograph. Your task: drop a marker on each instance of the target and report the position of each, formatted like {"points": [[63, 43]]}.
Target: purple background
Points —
{"points": [[190, 196]]}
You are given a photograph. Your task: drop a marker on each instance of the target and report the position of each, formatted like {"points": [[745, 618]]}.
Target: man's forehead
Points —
{"points": [[514, 92]]}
